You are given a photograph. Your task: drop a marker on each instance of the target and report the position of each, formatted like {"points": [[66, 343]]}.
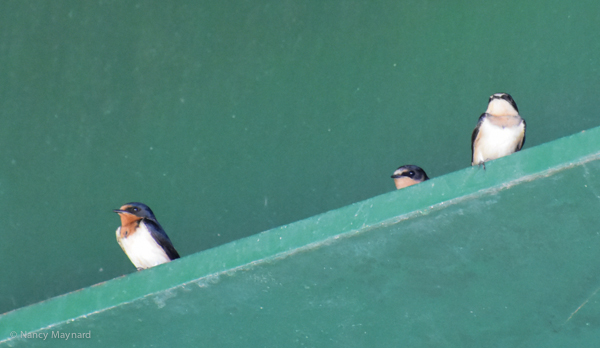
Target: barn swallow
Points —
{"points": [[408, 175], [499, 132], [142, 238]]}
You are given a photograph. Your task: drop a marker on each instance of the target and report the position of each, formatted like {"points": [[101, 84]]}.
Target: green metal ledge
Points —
{"points": [[240, 279]]}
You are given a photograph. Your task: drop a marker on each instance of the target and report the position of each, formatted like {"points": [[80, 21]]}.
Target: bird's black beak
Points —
{"points": [[119, 211], [396, 176]]}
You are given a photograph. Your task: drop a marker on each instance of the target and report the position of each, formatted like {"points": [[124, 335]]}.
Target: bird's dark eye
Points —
{"points": [[411, 173], [135, 209]]}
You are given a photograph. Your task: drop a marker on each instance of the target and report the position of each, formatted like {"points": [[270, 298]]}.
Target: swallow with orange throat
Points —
{"points": [[142, 238], [408, 175]]}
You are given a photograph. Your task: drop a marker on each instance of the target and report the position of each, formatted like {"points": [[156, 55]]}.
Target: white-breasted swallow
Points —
{"points": [[408, 175], [142, 238], [499, 132]]}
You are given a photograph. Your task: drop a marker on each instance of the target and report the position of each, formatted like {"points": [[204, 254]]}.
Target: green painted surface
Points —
{"points": [[505, 256], [233, 118]]}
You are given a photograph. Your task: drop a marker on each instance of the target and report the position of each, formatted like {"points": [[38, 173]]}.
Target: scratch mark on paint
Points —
{"points": [[583, 304]]}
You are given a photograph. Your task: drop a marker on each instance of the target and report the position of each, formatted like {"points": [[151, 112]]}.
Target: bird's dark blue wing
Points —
{"points": [[161, 238], [474, 135], [520, 145]]}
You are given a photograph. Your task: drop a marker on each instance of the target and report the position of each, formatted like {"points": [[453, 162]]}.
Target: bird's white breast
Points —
{"points": [[495, 141], [142, 249]]}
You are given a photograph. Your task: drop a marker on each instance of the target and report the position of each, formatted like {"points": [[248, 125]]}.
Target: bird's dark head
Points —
{"points": [[502, 104], [135, 211], [409, 175]]}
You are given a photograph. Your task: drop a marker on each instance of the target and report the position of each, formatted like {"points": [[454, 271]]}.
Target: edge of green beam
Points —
{"points": [[312, 232]]}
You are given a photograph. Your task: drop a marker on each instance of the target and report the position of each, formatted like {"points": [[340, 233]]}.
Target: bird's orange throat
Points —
{"points": [[129, 224]]}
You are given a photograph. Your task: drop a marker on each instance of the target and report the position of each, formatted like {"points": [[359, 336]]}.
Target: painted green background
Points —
{"points": [[230, 118], [502, 257]]}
